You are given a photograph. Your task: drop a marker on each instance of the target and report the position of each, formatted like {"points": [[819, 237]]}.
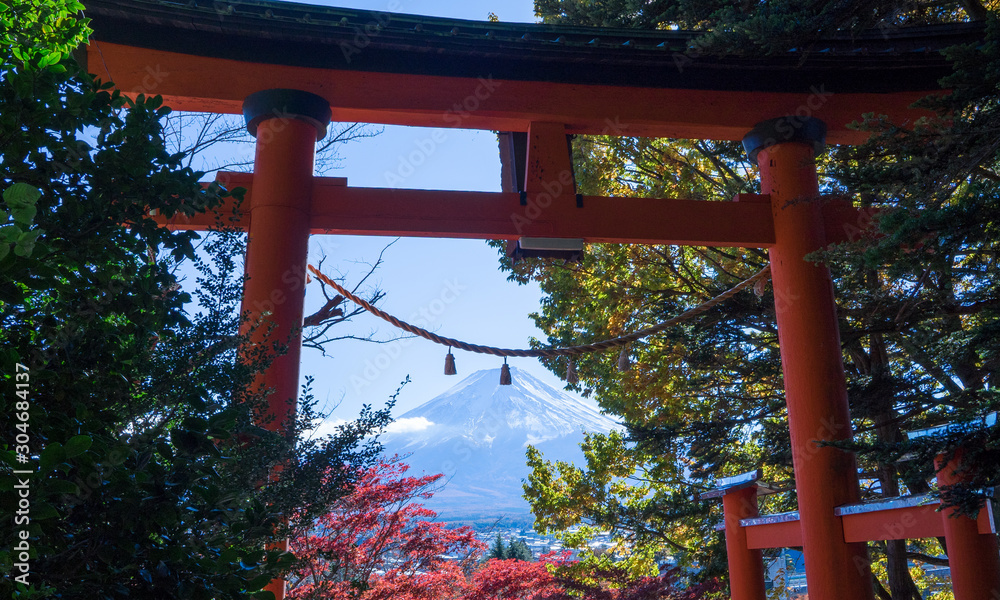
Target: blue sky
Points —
{"points": [[455, 284], [521, 11]]}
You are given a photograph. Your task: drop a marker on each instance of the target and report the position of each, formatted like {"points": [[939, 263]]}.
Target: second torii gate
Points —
{"points": [[288, 100]]}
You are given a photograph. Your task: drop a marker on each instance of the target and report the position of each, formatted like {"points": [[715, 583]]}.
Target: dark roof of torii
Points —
{"points": [[891, 60]]}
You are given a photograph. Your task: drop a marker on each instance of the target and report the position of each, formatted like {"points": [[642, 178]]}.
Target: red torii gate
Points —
{"points": [[291, 68]]}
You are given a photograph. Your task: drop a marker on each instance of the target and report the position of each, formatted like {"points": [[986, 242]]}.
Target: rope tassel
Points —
{"points": [[449, 364], [505, 374], [624, 362], [571, 377]]}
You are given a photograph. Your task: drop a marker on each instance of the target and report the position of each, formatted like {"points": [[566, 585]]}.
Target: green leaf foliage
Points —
{"points": [[150, 476], [918, 297], [515, 549]]}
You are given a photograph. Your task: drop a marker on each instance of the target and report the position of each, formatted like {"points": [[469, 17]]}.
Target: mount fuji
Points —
{"points": [[476, 434]]}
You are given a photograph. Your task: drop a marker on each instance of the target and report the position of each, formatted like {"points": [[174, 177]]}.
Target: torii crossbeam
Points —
{"points": [[291, 68]]}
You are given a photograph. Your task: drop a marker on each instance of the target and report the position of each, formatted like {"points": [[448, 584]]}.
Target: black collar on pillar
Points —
{"points": [[287, 104], [792, 128]]}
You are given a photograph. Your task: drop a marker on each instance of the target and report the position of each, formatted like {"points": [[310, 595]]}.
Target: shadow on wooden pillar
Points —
{"points": [[811, 359], [287, 124]]}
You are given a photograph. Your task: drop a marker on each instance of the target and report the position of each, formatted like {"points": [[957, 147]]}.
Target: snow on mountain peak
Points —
{"points": [[479, 408], [476, 432]]}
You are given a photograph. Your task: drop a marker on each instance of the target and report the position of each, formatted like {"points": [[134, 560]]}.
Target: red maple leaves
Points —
{"points": [[381, 543]]}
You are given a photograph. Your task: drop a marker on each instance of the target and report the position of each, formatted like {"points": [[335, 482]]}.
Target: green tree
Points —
{"points": [[125, 399], [498, 550], [515, 549], [519, 550], [917, 305]]}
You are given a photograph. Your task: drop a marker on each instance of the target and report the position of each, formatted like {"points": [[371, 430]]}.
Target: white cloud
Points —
{"points": [[326, 427], [409, 425], [536, 439]]}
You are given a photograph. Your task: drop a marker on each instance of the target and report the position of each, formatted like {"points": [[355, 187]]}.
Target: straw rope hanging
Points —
{"points": [[569, 351]]}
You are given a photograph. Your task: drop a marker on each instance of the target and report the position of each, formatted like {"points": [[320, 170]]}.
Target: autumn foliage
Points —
{"points": [[556, 577], [380, 542], [516, 580]]}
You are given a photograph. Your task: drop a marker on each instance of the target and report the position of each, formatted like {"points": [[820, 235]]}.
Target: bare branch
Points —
{"points": [[332, 313], [931, 560], [196, 135], [327, 312]]}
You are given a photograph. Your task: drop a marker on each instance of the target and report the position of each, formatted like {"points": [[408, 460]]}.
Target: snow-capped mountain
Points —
{"points": [[477, 432]]}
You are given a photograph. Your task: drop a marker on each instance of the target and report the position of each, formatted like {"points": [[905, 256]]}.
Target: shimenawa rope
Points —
{"points": [[543, 352]]}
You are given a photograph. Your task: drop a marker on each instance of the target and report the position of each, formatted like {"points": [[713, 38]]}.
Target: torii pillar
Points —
{"points": [[286, 124], [972, 556], [811, 360]]}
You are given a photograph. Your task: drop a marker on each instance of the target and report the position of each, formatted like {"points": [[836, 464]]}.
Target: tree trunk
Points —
{"points": [[975, 10], [901, 585]]}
